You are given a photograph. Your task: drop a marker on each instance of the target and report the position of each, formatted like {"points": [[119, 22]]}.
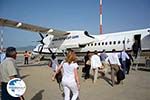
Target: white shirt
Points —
{"points": [[8, 68], [68, 71], [113, 58], [54, 64], [95, 61], [124, 55]]}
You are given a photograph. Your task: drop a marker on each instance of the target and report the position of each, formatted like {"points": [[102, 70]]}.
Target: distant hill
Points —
{"points": [[27, 48]]}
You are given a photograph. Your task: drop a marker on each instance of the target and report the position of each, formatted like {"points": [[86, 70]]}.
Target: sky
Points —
{"points": [[66, 15]]}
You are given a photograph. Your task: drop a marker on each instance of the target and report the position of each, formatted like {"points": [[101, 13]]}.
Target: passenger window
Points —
{"points": [[110, 42], [123, 42], [102, 43], [114, 42], [105, 43], [118, 42]]}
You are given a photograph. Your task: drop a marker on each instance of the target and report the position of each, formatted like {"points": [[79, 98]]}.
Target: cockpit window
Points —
{"points": [[87, 34]]}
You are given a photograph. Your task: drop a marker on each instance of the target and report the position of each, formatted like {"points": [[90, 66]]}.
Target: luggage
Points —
{"points": [[120, 75], [83, 69]]}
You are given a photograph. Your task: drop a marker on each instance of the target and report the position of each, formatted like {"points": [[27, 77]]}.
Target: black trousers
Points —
{"points": [[26, 60], [87, 71]]}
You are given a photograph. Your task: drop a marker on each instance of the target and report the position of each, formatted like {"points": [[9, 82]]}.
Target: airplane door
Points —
{"points": [[137, 38]]}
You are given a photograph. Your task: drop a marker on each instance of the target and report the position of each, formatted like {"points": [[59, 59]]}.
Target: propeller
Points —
{"points": [[42, 37], [41, 41], [42, 46], [50, 50]]}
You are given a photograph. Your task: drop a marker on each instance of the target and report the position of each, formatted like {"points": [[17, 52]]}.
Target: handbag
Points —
{"points": [[59, 77], [120, 75], [88, 62], [83, 70]]}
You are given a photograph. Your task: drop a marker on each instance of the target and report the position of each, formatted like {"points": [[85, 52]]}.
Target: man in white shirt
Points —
{"points": [[114, 64], [124, 56], [8, 71], [95, 64]]}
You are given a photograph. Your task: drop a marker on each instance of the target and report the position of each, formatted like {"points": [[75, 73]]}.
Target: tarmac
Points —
{"points": [[37, 77]]}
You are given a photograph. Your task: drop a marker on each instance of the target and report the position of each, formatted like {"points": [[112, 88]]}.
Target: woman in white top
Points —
{"points": [[70, 80], [95, 64], [54, 62]]}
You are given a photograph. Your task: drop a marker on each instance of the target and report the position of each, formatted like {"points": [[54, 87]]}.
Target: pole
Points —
{"points": [[1, 41], [101, 31]]}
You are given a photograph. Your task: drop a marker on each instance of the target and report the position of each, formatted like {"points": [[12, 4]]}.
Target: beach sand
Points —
{"points": [[37, 77]]}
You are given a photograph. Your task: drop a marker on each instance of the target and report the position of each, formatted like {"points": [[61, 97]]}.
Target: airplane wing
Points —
{"points": [[29, 27]]}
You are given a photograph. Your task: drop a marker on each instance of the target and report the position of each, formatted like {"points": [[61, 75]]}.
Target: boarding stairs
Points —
{"points": [[136, 61]]}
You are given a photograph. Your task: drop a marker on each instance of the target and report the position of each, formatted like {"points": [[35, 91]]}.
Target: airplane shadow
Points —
{"points": [[144, 69], [24, 76], [38, 96]]}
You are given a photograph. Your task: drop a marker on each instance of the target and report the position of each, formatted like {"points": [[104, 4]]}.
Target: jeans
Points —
{"points": [[70, 86], [124, 67]]}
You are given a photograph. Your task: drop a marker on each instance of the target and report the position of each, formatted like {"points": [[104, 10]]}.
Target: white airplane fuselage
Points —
{"points": [[118, 41]]}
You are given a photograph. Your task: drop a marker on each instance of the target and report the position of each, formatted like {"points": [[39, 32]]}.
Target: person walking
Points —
{"points": [[54, 65], [26, 57], [123, 57], [87, 65], [70, 79], [103, 57], [135, 49], [113, 60], [129, 62], [9, 71], [53, 62], [95, 65]]}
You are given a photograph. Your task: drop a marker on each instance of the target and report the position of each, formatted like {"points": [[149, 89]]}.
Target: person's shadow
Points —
{"points": [[108, 80], [38, 96]]}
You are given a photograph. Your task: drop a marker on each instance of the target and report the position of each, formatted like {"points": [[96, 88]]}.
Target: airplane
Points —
{"points": [[58, 41], [117, 40]]}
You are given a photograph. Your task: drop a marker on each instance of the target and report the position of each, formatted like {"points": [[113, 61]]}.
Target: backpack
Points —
{"points": [[59, 77], [50, 63]]}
